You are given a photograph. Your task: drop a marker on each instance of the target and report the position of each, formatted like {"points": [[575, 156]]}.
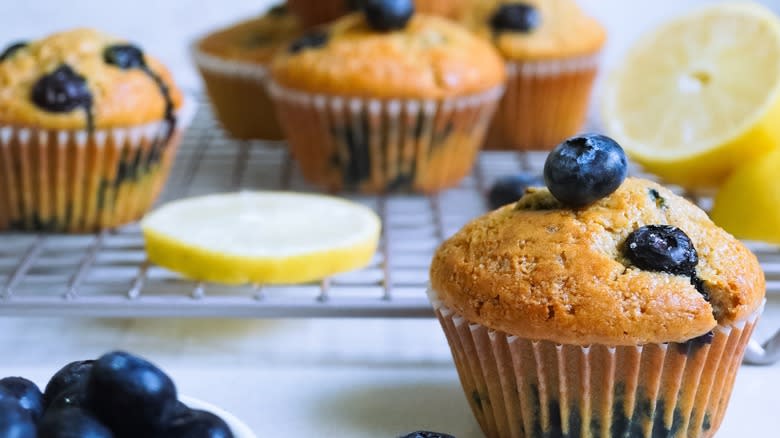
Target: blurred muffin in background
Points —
{"points": [[234, 64], [385, 100], [89, 126], [551, 48], [315, 12]]}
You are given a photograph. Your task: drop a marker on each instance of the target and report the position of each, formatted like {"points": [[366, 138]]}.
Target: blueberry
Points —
{"points": [[61, 91], [74, 396], [662, 248], [515, 17], [26, 393], [196, 424], [72, 374], [130, 394], [72, 423], [15, 422], [510, 188], [386, 15], [124, 56], [427, 434], [11, 49], [311, 40], [584, 169]]}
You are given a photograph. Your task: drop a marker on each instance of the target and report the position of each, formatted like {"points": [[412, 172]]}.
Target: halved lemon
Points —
{"points": [[700, 95], [261, 237], [748, 203]]}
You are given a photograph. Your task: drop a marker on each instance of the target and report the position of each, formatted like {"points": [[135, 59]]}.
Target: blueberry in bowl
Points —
{"points": [[72, 423], [25, 393], [130, 394], [71, 376], [15, 421], [118, 395]]}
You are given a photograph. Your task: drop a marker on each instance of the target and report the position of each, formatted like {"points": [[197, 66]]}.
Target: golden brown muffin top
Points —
{"points": [[537, 270], [255, 40], [564, 30], [429, 58], [119, 97]]}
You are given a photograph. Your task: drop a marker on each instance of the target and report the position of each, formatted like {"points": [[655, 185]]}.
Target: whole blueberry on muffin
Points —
{"points": [[90, 124], [386, 100], [616, 307], [234, 64]]}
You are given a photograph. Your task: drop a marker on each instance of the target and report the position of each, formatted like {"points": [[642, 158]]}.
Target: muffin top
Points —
{"points": [[255, 40], [541, 271], [429, 57], [84, 79], [531, 30]]}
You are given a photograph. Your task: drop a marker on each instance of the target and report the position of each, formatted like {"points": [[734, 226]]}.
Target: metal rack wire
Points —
{"points": [[107, 275]]}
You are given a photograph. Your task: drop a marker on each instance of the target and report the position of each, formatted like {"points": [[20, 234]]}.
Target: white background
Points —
{"points": [[358, 378]]}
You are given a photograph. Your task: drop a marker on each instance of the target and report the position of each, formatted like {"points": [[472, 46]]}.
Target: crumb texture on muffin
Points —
{"points": [[564, 30], [431, 57], [119, 97], [536, 270], [255, 40]]}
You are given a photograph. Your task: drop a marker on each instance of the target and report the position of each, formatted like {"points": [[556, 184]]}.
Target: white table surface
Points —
{"points": [[345, 378]]}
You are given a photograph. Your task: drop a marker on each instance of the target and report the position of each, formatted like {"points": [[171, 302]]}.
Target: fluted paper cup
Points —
{"points": [[80, 181], [528, 388], [384, 145], [238, 93], [545, 102]]}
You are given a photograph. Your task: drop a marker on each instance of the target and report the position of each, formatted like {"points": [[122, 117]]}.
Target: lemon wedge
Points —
{"points": [[700, 95], [261, 237], [748, 203]]}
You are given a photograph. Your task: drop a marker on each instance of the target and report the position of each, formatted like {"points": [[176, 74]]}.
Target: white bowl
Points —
{"points": [[238, 427]]}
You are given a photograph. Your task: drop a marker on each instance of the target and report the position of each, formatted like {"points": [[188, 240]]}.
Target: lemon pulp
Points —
{"points": [[699, 95]]}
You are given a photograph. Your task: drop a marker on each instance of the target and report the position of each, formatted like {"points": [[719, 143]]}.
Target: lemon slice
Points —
{"points": [[699, 95], [261, 237], [754, 187]]}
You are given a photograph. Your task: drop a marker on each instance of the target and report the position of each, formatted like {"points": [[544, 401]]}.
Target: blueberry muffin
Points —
{"points": [[551, 48], [89, 126], [385, 100], [596, 306], [234, 65], [315, 12]]}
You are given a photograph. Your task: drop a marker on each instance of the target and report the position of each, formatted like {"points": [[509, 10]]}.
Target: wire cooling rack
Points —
{"points": [[107, 275]]}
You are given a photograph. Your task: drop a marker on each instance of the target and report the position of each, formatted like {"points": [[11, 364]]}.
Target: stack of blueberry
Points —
{"points": [[118, 395]]}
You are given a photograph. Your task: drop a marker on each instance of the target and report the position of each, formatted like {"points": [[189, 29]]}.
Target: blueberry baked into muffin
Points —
{"points": [[386, 100], [89, 126], [551, 48], [596, 306], [234, 65]]}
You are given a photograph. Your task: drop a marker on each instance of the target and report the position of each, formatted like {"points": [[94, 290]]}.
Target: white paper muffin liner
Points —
{"points": [[238, 93], [77, 181], [519, 387], [545, 102], [384, 145]]}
